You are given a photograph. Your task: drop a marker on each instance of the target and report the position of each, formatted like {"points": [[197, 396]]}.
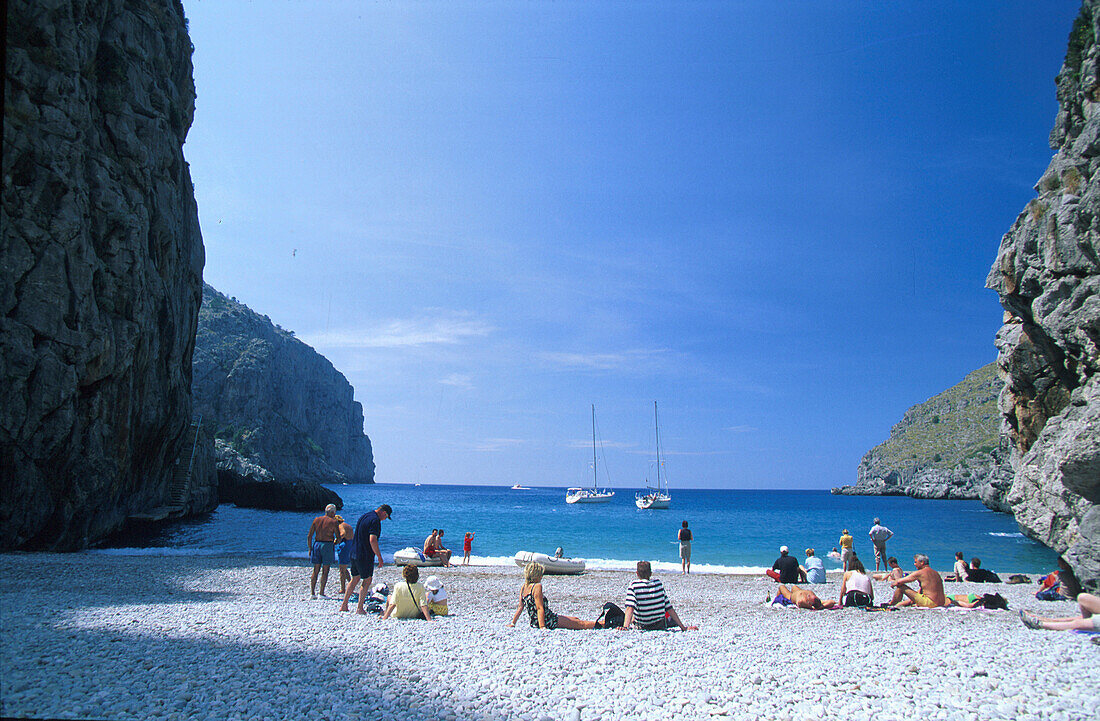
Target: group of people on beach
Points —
{"points": [[647, 604]]}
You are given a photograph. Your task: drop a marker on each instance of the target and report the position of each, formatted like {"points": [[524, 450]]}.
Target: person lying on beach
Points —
{"points": [[961, 569], [930, 594], [856, 589], [647, 605], [974, 600], [805, 598], [532, 599], [977, 574], [1087, 620], [814, 570], [409, 599]]}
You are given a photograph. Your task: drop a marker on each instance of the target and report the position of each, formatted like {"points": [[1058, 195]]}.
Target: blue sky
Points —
{"points": [[775, 219]]}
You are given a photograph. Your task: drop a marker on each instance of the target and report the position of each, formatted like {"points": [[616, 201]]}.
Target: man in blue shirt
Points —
{"points": [[363, 553]]}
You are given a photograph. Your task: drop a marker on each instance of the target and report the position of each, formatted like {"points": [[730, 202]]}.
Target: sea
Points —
{"points": [[736, 531]]}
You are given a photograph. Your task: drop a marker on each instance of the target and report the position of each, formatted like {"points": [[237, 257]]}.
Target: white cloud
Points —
{"points": [[741, 429], [458, 380], [601, 361], [492, 445], [446, 328]]}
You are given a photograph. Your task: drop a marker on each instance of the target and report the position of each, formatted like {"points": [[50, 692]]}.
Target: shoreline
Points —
{"points": [[92, 636]]}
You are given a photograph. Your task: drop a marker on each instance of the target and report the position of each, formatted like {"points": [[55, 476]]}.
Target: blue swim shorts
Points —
{"points": [[323, 553], [343, 553]]}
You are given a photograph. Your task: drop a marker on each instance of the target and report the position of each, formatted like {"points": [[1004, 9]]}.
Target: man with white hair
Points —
{"points": [[321, 542]]}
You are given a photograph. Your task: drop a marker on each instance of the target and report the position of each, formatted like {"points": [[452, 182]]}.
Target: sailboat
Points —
{"points": [[654, 498], [593, 494]]}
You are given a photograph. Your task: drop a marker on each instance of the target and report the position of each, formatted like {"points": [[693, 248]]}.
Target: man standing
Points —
{"points": [[322, 548], [363, 552], [647, 604], [846, 542], [880, 534], [685, 538], [930, 594]]}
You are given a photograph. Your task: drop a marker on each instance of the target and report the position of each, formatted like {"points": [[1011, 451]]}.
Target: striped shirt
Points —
{"points": [[648, 599]]}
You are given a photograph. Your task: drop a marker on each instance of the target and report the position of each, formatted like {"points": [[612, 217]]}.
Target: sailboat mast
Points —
{"points": [[657, 429], [595, 479]]}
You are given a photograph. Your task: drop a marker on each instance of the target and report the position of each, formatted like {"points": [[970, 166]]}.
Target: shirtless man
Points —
{"points": [[322, 549], [931, 585], [805, 598], [442, 550], [430, 543]]}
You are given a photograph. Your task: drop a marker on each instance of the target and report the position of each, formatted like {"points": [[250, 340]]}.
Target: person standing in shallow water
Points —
{"points": [[685, 537], [846, 542]]}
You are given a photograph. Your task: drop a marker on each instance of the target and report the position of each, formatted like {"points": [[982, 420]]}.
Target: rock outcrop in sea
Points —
{"points": [[275, 403], [1047, 274], [947, 447], [101, 260]]}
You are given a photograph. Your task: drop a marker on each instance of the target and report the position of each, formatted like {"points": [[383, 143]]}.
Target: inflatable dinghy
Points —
{"points": [[413, 557], [554, 566]]}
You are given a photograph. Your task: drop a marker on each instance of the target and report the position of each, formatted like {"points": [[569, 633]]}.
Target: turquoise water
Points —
{"points": [[734, 529]]}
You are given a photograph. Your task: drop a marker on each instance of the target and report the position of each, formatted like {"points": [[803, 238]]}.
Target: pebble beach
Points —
{"points": [[214, 637]]}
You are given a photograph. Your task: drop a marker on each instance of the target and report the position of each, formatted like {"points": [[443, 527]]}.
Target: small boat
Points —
{"points": [[593, 494], [518, 487], [554, 565], [414, 557], [655, 498]]}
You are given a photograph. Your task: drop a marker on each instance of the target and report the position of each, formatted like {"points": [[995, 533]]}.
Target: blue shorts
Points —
{"points": [[343, 553], [323, 553]]}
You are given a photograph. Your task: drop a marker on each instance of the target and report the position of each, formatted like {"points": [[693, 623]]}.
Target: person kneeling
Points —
{"points": [[647, 604], [409, 599]]}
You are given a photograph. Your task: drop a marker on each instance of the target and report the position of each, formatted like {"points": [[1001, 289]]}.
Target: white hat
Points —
{"points": [[433, 583], [783, 549]]}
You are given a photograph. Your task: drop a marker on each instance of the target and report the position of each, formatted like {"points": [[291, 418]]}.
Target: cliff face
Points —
{"points": [[946, 447], [1047, 274], [275, 400], [100, 269]]}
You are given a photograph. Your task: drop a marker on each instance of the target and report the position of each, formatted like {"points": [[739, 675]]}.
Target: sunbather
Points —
{"points": [[538, 610], [1088, 620], [805, 598], [856, 589], [930, 594]]}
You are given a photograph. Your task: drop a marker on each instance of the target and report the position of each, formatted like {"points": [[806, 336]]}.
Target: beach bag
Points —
{"points": [[994, 601], [1049, 594], [611, 617], [856, 598]]}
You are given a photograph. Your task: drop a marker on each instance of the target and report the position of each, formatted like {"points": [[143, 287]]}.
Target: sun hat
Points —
{"points": [[783, 549], [433, 583]]}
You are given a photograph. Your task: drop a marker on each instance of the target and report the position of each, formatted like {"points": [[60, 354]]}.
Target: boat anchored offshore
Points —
{"points": [[555, 565], [655, 498], [593, 494], [518, 487]]}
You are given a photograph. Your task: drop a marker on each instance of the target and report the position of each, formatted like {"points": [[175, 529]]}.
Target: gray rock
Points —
{"points": [[245, 483], [1047, 274], [274, 399], [101, 261]]}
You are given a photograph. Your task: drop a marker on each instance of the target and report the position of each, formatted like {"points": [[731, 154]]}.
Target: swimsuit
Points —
{"points": [[533, 612], [924, 601]]}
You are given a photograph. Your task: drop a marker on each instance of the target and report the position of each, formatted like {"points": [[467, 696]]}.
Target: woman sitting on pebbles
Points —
{"points": [[531, 598], [856, 589], [409, 599]]}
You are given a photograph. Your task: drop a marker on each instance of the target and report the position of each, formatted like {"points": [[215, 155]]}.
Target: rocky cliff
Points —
{"points": [[274, 400], [100, 270], [1047, 274], [946, 447]]}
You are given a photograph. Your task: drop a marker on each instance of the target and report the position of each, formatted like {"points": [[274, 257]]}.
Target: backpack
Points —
{"points": [[611, 617]]}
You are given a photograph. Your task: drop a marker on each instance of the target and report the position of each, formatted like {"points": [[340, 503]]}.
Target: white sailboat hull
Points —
{"points": [[589, 496], [655, 501]]}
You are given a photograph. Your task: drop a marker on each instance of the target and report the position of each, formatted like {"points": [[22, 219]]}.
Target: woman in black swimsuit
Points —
{"points": [[538, 610]]}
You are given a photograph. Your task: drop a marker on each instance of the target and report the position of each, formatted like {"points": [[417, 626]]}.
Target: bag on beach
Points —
{"points": [[611, 617], [1049, 594], [994, 601]]}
